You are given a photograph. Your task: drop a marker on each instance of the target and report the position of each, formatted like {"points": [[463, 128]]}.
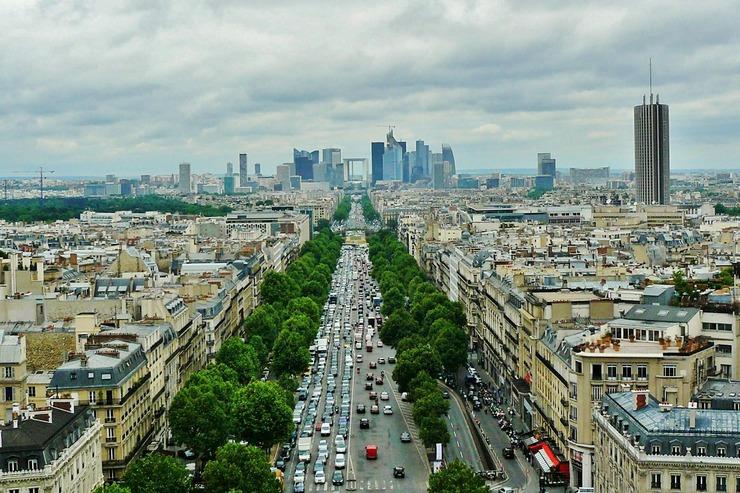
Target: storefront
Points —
{"points": [[554, 469]]}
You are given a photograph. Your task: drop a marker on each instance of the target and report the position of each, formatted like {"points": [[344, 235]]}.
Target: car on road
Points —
{"points": [[505, 489], [387, 410], [392, 360], [446, 394], [339, 461], [373, 395], [405, 437], [360, 408], [381, 361], [384, 396], [371, 452], [319, 478], [318, 466], [280, 464], [299, 476], [379, 381], [374, 409], [340, 445], [369, 376], [364, 424], [368, 385], [299, 487], [380, 344], [373, 364], [508, 453], [325, 429], [399, 472], [338, 478], [324, 447]]}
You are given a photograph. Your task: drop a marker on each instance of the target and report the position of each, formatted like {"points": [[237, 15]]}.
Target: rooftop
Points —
{"points": [[661, 313]]}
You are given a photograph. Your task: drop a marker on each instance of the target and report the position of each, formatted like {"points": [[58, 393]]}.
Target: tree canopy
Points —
{"points": [[263, 417], [241, 468], [156, 473], [457, 477]]}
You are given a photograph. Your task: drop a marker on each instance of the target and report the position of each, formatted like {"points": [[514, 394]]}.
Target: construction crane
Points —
{"points": [[42, 172]]}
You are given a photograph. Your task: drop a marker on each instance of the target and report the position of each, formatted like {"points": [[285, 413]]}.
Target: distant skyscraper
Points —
{"points": [[319, 171], [243, 173], [229, 169], [439, 178], [652, 155], [377, 148], [545, 164], [183, 185], [304, 161], [110, 178], [229, 184], [146, 179], [257, 169], [295, 182], [331, 156], [422, 157], [449, 157], [283, 174], [393, 158]]}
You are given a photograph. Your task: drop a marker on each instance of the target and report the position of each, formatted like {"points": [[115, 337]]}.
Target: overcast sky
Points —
{"points": [[89, 87]]}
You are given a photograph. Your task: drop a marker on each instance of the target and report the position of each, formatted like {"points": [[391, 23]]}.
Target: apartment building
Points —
{"points": [[648, 446], [603, 365], [113, 379], [51, 449], [13, 376]]}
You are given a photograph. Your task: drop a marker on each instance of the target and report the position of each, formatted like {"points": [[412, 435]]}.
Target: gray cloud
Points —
{"points": [[142, 85]]}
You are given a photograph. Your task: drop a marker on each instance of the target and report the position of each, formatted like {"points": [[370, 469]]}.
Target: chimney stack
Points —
{"points": [[639, 399], [692, 415]]}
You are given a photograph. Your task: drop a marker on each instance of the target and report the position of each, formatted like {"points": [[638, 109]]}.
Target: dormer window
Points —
{"points": [[33, 464], [12, 465]]}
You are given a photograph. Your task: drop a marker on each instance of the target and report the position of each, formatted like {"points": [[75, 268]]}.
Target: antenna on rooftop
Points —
{"points": [[651, 77]]}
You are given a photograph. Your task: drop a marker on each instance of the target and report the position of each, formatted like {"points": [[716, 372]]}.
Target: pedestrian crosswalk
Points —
{"points": [[361, 485]]}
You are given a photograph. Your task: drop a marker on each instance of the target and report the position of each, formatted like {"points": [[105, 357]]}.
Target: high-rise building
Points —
{"points": [[243, 173], [229, 184], [332, 156], [229, 169], [393, 158], [449, 157], [304, 161], [422, 157], [146, 179], [545, 164], [652, 156], [437, 165], [283, 174], [110, 178], [257, 169], [319, 171], [295, 182], [183, 185], [377, 148]]}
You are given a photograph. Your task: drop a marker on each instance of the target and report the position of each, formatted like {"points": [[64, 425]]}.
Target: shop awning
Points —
{"points": [[542, 461]]}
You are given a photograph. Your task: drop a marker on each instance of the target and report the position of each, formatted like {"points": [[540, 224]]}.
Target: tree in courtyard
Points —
{"points": [[263, 417], [457, 477], [290, 354], [241, 468], [156, 473], [240, 357]]}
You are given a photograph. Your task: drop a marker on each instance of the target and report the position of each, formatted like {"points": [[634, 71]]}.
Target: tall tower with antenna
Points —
{"points": [[652, 149]]}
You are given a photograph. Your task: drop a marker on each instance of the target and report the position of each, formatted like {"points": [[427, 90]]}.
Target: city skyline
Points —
{"points": [[83, 110]]}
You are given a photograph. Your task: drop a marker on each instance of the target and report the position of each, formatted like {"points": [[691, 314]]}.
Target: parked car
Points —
{"points": [[405, 437], [508, 453]]}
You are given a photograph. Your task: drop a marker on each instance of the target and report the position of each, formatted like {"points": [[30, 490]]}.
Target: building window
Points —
{"points": [[12, 465], [33, 464], [573, 390], [655, 449], [721, 483], [32, 391], [736, 406], [9, 372], [611, 389], [669, 371], [579, 367], [701, 483], [675, 481], [33, 490], [596, 392], [572, 434], [737, 484], [112, 453], [716, 326], [9, 394], [611, 372], [655, 478], [627, 372], [14, 490], [676, 449], [642, 373], [721, 452], [701, 450], [595, 371]]}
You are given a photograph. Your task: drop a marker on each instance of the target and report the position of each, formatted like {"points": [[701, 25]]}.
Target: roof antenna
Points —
{"points": [[651, 76]]}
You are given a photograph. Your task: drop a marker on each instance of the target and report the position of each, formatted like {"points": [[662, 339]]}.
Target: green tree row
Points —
{"points": [[53, 209], [342, 212], [426, 329], [730, 211], [226, 403], [368, 211]]}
